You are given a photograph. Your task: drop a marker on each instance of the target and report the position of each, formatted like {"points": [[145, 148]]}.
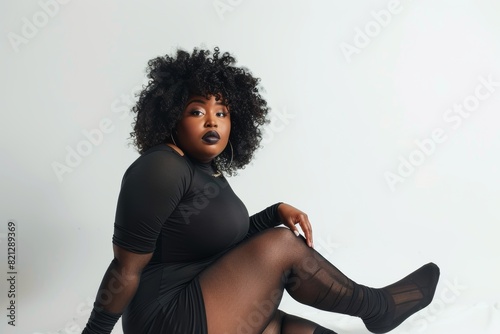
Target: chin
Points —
{"points": [[209, 154]]}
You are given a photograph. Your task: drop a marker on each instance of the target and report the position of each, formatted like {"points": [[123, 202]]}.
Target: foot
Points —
{"points": [[405, 297]]}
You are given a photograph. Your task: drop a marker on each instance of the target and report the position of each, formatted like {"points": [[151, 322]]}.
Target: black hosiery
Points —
{"points": [[283, 323], [325, 287], [243, 288], [405, 297], [383, 309], [323, 330]]}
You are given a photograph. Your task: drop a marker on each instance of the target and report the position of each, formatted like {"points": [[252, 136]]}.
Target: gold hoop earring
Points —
{"points": [[173, 140], [232, 154], [218, 173]]}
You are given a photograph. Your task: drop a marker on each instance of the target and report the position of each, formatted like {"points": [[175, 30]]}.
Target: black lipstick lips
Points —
{"points": [[211, 137]]}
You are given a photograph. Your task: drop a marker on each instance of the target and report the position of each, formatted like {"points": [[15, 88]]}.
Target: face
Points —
{"points": [[203, 131]]}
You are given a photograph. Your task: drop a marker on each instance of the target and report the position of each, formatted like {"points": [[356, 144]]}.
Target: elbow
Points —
{"points": [[129, 263], [124, 272], [121, 277]]}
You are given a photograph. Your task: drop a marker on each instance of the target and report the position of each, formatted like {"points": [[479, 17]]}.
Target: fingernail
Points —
{"points": [[296, 233]]}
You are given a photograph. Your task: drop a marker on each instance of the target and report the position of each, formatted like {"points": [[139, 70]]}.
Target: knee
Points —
{"points": [[284, 237], [281, 240]]}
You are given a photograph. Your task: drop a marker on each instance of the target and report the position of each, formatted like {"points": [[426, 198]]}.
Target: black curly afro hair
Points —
{"points": [[172, 80]]}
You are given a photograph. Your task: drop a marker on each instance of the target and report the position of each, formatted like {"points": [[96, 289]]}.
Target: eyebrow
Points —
{"points": [[219, 102]]}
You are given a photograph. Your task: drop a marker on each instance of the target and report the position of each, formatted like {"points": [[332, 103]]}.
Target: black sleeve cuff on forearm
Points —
{"points": [[101, 321], [265, 219]]}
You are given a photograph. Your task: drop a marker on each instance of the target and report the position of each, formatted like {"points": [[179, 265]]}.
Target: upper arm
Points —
{"points": [[151, 190]]}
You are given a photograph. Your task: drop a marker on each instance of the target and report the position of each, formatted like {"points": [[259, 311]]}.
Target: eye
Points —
{"points": [[222, 114], [196, 112]]}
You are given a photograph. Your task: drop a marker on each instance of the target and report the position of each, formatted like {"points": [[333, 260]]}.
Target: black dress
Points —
{"points": [[176, 208]]}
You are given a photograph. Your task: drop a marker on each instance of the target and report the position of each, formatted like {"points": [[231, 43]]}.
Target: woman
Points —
{"points": [[187, 257]]}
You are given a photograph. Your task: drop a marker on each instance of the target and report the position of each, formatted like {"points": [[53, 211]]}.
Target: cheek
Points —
{"points": [[228, 126], [187, 129]]}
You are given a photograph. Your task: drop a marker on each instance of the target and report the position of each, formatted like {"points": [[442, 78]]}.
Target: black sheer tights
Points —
{"points": [[243, 289], [286, 323]]}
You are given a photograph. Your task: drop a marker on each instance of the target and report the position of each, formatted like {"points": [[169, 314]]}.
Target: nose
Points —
{"points": [[211, 121]]}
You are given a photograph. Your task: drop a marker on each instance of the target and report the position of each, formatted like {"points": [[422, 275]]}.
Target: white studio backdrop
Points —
{"points": [[384, 129]]}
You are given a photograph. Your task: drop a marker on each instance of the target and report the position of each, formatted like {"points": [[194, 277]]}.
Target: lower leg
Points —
{"points": [[322, 330], [296, 325], [316, 282], [283, 323]]}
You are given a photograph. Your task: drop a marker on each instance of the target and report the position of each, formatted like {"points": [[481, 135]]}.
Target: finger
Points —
{"points": [[291, 226], [305, 224]]}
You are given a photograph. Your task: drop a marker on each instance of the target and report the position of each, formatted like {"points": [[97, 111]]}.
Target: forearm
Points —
{"points": [[265, 219], [117, 289]]}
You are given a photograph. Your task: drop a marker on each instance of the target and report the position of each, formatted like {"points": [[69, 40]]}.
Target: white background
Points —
{"points": [[342, 121]]}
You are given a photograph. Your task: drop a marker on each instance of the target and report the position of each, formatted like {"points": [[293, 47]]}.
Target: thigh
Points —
{"points": [[243, 289]]}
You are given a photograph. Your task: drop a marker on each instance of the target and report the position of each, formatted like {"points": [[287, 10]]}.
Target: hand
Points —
{"points": [[291, 216]]}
